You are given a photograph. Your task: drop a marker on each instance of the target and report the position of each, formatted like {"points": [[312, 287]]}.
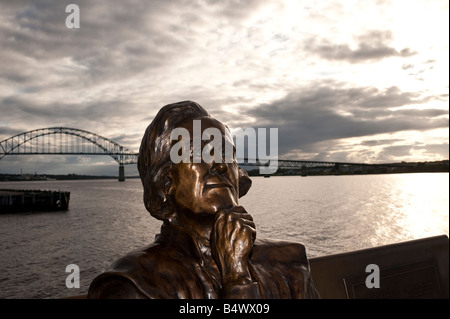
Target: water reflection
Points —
{"points": [[417, 201], [106, 219], [344, 213]]}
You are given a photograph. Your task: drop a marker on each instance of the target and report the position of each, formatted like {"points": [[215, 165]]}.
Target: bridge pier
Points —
{"points": [[121, 173], [304, 171]]}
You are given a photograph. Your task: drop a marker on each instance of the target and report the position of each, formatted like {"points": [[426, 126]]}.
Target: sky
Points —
{"points": [[345, 81]]}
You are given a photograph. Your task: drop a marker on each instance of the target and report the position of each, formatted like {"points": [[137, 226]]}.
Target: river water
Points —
{"points": [[107, 219]]}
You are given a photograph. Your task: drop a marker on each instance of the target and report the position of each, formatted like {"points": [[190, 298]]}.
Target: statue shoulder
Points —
{"points": [[124, 279], [115, 285], [279, 251]]}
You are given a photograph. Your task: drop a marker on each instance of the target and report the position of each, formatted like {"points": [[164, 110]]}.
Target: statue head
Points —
{"points": [[196, 187]]}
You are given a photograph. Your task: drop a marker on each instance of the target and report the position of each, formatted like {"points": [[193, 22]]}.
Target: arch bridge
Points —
{"points": [[67, 141], [72, 141]]}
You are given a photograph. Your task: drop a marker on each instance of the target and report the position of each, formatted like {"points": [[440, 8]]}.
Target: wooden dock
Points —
{"points": [[16, 201]]}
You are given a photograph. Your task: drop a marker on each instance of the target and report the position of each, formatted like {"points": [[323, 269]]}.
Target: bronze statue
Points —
{"points": [[207, 246]]}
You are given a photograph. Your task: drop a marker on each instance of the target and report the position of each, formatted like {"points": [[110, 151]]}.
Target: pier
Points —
{"points": [[16, 201]]}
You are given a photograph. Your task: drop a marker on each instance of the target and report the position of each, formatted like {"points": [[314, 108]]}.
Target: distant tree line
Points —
{"points": [[389, 168]]}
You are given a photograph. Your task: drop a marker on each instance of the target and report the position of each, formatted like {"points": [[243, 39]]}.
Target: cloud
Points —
{"points": [[8, 131], [249, 63], [440, 149], [393, 153], [396, 151], [380, 142], [319, 113], [372, 46], [114, 41]]}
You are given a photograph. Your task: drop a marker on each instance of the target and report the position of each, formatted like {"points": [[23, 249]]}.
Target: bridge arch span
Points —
{"points": [[40, 142]]}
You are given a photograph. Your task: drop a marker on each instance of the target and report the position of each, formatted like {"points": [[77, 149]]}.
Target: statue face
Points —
{"points": [[204, 188]]}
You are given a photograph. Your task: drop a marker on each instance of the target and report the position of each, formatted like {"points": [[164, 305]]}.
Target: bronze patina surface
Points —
{"points": [[207, 247]]}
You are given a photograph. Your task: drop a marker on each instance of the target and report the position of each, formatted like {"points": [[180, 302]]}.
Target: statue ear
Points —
{"points": [[244, 182]]}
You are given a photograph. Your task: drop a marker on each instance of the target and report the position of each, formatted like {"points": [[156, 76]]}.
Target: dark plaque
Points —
{"points": [[416, 281]]}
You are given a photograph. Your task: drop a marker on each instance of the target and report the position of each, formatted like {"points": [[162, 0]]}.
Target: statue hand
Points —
{"points": [[232, 240]]}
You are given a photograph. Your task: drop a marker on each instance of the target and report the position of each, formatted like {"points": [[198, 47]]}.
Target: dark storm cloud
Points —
{"points": [[114, 40], [372, 46], [322, 113], [99, 116]]}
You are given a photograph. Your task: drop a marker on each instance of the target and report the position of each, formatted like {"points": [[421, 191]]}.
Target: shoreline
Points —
{"points": [[47, 177]]}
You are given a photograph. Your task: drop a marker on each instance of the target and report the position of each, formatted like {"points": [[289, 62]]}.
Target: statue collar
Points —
{"points": [[192, 244]]}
